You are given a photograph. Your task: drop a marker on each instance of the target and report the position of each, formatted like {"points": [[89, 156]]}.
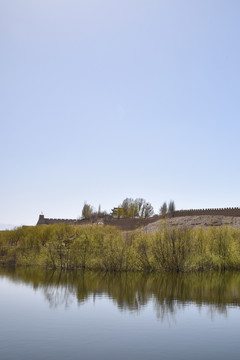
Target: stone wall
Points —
{"points": [[220, 211], [49, 221], [124, 224], [129, 224]]}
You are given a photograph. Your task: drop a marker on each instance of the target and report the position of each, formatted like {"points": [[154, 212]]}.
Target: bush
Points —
{"points": [[105, 248]]}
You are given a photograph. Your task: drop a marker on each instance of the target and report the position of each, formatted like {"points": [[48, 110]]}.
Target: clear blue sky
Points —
{"points": [[102, 100]]}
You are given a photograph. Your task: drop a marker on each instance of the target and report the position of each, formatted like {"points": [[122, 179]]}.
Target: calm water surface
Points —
{"points": [[77, 315]]}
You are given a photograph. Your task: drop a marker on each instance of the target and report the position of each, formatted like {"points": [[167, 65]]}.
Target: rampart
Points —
{"points": [[46, 221], [124, 224], [130, 224], [219, 211]]}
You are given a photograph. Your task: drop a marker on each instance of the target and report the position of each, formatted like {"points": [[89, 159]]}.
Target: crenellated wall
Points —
{"points": [[219, 211], [49, 221], [128, 224], [124, 224]]}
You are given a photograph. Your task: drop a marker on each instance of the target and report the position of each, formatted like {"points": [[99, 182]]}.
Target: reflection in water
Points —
{"points": [[132, 291], [58, 295]]}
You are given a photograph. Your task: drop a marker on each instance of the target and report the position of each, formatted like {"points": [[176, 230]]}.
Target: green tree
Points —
{"points": [[171, 207], [87, 211], [136, 208], [163, 209], [126, 205]]}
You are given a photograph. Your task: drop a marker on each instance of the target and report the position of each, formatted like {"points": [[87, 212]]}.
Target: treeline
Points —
{"points": [[105, 248], [129, 208]]}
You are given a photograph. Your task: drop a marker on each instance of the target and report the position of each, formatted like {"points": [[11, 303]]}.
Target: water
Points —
{"points": [[75, 315]]}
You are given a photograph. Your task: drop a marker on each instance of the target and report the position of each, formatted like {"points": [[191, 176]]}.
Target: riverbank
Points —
{"points": [[105, 248]]}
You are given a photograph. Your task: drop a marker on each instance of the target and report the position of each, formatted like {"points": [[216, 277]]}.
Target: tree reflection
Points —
{"points": [[132, 291]]}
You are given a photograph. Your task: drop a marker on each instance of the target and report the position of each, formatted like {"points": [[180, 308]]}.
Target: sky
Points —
{"points": [[103, 100]]}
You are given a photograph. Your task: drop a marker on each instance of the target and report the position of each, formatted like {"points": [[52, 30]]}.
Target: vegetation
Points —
{"points": [[87, 211], [171, 207], [167, 209], [104, 248], [135, 208], [163, 209]]}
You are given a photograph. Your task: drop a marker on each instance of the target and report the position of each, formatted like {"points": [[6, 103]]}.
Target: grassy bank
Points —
{"points": [[104, 248]]}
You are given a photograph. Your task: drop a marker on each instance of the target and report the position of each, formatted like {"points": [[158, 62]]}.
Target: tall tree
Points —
{"points": [[148, 210], [171, 207], [140, 204], [87, 211], [126, 205], [163, 209]]}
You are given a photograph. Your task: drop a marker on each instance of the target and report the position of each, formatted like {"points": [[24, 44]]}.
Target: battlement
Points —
{"points": [[128, 224], [49, 221], [217, 211]]}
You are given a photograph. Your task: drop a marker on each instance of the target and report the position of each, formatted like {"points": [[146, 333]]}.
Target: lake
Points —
{"points": [[48, 314]]}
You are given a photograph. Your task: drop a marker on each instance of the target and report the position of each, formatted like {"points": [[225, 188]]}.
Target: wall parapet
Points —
{"points": [[234, 211], [50, 221], [128, 224]]}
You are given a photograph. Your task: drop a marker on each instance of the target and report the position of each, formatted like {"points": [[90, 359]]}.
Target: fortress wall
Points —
{"points": [[129, 224], [49, 221], [124, 224], [218, 211]]}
